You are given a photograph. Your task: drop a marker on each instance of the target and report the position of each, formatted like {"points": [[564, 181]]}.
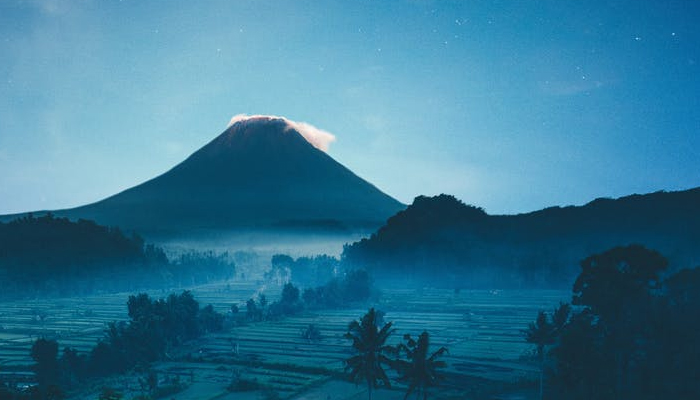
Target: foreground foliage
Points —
{"points": [[633, 336], [369, 344], [420, 371]]}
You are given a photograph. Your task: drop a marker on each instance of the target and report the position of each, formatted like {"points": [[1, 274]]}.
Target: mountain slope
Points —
{"points": [[259, 173], [541, 247]]}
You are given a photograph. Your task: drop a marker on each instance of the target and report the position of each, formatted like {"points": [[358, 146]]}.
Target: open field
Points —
{"points": [[481, 329]]}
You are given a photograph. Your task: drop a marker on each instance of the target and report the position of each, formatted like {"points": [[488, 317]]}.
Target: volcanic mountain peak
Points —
{"points": [[261, 172], [243, 125]]}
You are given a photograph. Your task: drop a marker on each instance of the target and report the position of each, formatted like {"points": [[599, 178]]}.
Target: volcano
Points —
{"points": [[259, 173]]}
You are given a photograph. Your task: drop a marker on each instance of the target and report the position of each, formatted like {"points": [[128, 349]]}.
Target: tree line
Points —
{"points": [[355, 286], [50, 256]]}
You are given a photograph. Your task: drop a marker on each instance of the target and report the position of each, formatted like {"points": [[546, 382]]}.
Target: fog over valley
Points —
{"points": [[270, 200]]}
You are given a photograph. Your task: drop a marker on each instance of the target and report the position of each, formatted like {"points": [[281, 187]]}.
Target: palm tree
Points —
{"points": [[540, 333], [420, 372], [544, 332], [369, 344]]}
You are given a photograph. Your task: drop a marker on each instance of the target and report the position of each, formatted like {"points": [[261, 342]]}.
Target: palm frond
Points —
{"points": [[419, 372], [438, 353]]}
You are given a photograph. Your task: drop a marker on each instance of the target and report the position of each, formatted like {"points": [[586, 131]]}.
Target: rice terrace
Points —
{"points": [[481, 328]]}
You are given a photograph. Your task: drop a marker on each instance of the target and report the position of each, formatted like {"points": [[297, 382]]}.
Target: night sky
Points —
{"points": [[509, 105]]}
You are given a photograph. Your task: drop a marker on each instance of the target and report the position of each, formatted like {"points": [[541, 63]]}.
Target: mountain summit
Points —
{"points": [[261, 172]]}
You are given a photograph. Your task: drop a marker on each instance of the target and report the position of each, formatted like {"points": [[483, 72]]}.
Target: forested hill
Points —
{"points": [[51, 242], [42, 256], [443, 238]]}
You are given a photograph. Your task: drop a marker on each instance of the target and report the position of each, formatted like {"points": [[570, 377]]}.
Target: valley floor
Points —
{"points": [[481, 328]]}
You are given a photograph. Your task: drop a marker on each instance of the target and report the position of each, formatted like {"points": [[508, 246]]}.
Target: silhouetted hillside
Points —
{"points": [[54, 256], [440, 238], [259, 173]]}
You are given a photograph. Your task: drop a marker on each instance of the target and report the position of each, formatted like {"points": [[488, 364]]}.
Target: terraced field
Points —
{"points": [[80, 322], [481, 329]]}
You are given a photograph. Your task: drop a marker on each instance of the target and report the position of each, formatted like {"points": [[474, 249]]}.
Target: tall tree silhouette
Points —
{"points": [[544, 332], [420, 372], [369, 344], [618, 285], [45, 353]]}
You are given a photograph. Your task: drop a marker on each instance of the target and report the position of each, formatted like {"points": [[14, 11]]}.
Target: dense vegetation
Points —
{"points": [[538, 249], [630, 334], [353, 287], [304, 271], [155, 327], [43, 256]]}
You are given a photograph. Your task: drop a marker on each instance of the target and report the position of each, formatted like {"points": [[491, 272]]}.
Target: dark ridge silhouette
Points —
{"points": [[49, 256], [259, 173], [541, 247]]}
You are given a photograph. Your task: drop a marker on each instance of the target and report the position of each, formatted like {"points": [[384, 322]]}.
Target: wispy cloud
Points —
{"points": [[319, 138], [570, 88], [49, 7]]}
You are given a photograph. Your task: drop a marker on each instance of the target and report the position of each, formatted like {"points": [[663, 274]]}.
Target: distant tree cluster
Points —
{"points": [[41, 256], [199, 267], [631, 334], [356, 286], [288, 304], [305, 271], [154, 328], [261, 310]]}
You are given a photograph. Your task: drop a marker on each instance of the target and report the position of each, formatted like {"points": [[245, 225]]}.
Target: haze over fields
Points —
{"points": [[304, 200]]}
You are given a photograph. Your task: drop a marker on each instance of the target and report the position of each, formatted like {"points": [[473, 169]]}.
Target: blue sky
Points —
{"points": [[509, 105]]}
